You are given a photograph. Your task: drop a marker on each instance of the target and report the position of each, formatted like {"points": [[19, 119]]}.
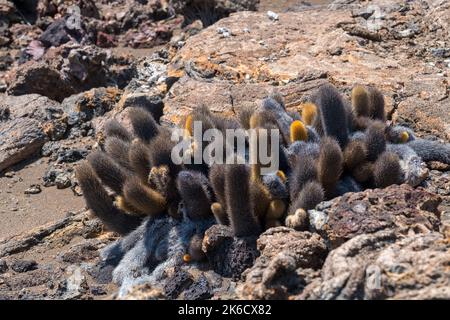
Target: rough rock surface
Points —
{"points": [[19, 139], [402, 208], [229, 256], [67, 70], [219, 68], [55, 261], [289, 260], [32, 106], [385, 265], [26, 123]]}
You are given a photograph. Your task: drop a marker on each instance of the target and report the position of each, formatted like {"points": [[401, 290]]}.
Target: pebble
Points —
{"points": [[224, 32], [272, 16], [9, 174], [441, 52], [24, 265], [33, 189], [62, 181], [3, 266]]}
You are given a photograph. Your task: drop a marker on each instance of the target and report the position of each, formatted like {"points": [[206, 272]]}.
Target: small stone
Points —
{"points": [[55, 130], [98, 290], [9, 174], [337, 51], [440, 52], [76, 189], [20, 139], [3, 266], [49, 148], [33, 189], [72, 155], [63, 181], [50, 176], [224, 32], [24, 265], [272, 16], [407, 33], [177, 283], [199, 290]]}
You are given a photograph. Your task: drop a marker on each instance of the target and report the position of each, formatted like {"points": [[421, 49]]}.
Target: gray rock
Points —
{"points": [[33, 189], [40, 78], [70, 69], [24, 265], [401, 208], [289, 260], [32, 106], [441, 52], [63, 181], [50, 176], [385, 265], [71, 155], [84, 106], [19, 139], [75, 284], [3, 266], [228, 255]]}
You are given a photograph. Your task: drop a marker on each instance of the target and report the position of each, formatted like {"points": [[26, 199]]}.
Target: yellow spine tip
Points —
{"points": [[358, 91], [404, 137], [216, 208], [298, 131], [309, 111], [281, 175], [187, 258], [123, 205], [189, 130], [254, 121]]}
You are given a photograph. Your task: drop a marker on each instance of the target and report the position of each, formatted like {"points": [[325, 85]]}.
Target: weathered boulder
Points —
{"points": [[212, 10], [227, 98], [288, 261], [19, 139], [32, 106], [401, 208], [70, 69], [38, 77], [339, 48], [385, 265], [228, 255], [85, 106], [26, 123]]}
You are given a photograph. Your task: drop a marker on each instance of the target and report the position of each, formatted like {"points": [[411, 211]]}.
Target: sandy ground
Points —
{"points": [[19, 211]]}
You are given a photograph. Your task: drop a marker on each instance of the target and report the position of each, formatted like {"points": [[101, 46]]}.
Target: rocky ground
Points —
{"points": [[67, 68]]}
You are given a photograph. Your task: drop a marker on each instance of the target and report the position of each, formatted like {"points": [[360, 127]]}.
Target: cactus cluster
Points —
{"points": [[328, 147]]}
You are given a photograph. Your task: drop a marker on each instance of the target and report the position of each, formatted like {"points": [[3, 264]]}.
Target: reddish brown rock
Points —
{"points": [[70, 69], [401, 208], [228, 255], [19, 139], [385, 265], [218, 67], [32, 106], [227, 98], [289, 260]]}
